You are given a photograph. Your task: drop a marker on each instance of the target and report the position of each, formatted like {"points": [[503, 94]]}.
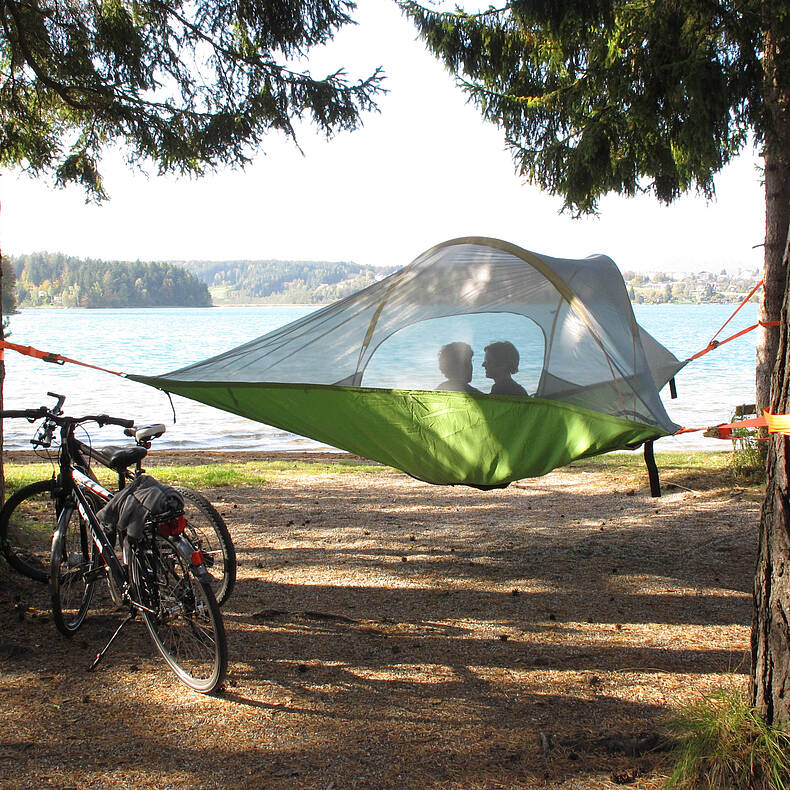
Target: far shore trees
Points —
{"points": [[617, 96], [56, 279], [187, 86]]}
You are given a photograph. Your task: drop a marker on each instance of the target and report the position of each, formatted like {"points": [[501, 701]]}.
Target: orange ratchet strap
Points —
{"points": [[48, 356], [716, 343], [776, 423]]}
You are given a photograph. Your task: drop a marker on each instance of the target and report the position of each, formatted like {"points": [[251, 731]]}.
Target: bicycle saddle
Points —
{"points": [[119, 458], [144, 433]]}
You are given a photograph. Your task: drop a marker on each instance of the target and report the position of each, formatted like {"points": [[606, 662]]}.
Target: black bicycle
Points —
{"points": [[161, 575], [28, 516]]}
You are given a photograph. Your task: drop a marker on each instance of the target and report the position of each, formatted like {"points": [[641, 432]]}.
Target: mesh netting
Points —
{"points": [[473, 315]]}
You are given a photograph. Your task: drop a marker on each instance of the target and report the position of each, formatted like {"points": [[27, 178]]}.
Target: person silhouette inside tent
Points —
{"points": [[501, 361], [455, 362]]}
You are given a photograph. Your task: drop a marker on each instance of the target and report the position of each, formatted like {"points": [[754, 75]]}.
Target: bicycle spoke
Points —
{"points": [[27, 522], [207, 531], [186, 627]]}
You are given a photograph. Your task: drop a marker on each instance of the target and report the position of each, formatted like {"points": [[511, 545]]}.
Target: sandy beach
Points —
{"points": [[385, 633]]}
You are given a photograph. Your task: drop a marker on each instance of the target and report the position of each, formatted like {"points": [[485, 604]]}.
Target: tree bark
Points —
{"points": [[770, 677], [776, 154], [777, 221], [771, 618]]}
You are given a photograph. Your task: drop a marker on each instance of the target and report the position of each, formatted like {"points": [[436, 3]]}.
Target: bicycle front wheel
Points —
{"points": [[180, 612], [27, 523], [70, 581], [207, 531]]}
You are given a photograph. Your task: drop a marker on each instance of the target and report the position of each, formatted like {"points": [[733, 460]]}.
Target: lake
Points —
{"points": [[155, 341]]}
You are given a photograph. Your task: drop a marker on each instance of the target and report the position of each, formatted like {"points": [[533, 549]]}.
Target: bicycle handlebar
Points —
{"points": [[43, 412], [60, 401], [102, 419], [28, 414]]}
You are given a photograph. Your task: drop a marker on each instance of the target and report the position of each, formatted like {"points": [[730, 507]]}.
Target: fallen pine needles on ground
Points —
{"points": [[385, 633]]}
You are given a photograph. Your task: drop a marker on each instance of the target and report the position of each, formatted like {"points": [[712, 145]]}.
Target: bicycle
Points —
{"points": [[161, 576], [27, 516]]}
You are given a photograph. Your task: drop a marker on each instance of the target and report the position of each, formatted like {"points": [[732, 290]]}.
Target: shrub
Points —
{"points": [[723, 744]]}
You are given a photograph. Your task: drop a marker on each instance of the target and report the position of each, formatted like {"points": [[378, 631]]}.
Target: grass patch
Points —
{"points": [[707, 460], [18, 475], [724, 744], [747, 462], [697, 471], [252, 473], [249, 473]]}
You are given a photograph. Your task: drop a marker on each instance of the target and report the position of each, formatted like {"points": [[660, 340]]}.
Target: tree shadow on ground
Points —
{"points": [[421, 638]]}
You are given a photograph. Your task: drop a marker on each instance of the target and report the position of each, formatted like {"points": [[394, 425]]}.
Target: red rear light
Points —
{"points": [[173, 526], [197, 558]]}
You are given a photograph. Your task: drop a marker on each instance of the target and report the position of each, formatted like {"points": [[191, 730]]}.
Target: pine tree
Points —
{"points": [[189, 86]]}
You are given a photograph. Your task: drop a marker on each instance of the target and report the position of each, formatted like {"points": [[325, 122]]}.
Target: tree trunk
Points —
{"points": [[777, 221], [771, 618], [770, 679], [776, 154]]}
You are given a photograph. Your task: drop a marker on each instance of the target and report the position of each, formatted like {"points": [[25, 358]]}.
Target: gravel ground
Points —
{"points": [[385, 633]]}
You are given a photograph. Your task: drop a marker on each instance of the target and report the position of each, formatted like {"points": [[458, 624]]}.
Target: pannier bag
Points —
{"points": [[145, 499]]}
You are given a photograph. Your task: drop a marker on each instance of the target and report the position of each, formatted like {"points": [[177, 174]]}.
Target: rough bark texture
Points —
{"points": [[776, 65], [777, 220], [771, 619]]}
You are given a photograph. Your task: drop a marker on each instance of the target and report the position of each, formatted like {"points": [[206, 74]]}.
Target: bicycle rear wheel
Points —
{"points": [[70, 583], [181, 613], [27, 523], [207, 530]]}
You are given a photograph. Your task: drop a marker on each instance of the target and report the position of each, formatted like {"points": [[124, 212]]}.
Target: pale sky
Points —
{"points": [[423, 170]]}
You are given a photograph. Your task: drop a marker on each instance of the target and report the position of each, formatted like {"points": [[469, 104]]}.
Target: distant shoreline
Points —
{"points": [[316, 305], [48, 307]]}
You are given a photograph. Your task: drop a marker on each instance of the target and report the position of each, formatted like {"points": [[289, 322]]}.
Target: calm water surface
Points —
{"points": [[156, 341]]}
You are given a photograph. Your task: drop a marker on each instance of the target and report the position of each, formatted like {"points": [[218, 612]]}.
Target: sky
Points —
{"points": [[424, 169]]}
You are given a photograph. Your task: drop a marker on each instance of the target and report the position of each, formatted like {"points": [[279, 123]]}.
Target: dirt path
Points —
{"points": [[389, 634]]}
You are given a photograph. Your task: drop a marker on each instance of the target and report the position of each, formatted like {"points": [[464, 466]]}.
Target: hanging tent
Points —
{"points": [[361, 374]]}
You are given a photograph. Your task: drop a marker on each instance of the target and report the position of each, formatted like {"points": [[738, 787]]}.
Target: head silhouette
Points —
{"points": [[455, 362], [501, 360]]}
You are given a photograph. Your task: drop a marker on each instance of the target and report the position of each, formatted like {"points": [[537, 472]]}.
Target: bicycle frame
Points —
{"points": [[92, 485], [99, 539], [71, 482]]}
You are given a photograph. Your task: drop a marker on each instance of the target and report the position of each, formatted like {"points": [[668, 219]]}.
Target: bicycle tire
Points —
{"points": [[72, 558], [181, 613], [27, 523], [207, 530]]}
